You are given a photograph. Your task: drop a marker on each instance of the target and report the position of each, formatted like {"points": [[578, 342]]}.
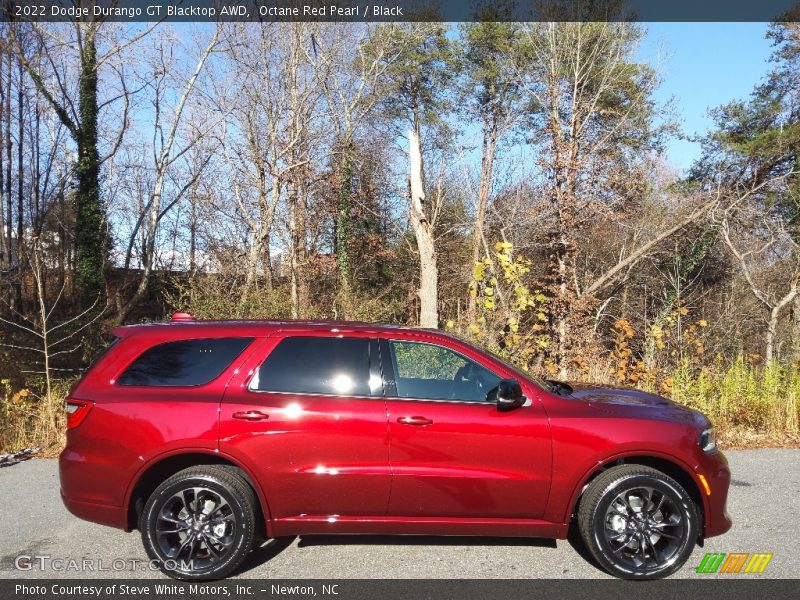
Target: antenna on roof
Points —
{"points": [[182, 316]]}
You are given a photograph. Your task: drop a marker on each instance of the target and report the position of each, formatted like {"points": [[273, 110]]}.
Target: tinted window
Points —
{"points": [[187, 362], [434, 372], [316, 365]]}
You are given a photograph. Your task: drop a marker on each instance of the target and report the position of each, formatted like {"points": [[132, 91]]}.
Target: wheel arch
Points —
{"points": [[163, 466], [666, 464]]}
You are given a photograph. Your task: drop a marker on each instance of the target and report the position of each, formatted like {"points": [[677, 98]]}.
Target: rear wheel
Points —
{"points": [[638, 523], [200, 523]]}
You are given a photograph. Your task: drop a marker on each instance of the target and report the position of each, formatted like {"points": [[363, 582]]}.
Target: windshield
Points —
{"points": [[524, 374]]}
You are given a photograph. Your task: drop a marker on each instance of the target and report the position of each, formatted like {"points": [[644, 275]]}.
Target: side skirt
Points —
{"points": [[335, 525]]}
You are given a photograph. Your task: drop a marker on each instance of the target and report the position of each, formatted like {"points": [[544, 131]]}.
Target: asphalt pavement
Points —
{"points": [[763, 503]]}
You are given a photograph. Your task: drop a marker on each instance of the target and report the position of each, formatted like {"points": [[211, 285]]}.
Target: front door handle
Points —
{"points": [[414, 421], [250, 415]]}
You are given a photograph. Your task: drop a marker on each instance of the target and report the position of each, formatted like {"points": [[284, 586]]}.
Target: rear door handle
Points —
{"points": [[250, 415], [414, 421]]}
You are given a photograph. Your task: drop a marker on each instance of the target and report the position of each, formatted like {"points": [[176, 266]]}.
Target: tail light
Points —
{"points": [[77, 411]]}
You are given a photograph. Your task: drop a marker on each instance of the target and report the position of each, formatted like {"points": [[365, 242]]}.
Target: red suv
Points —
{"points": [[210, 435]]}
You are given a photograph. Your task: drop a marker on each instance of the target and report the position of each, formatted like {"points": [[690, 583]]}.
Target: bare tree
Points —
{"points": [[756, 263], [165, 155], [83, 38], [352, 65], [492, 93], [52, 341]]}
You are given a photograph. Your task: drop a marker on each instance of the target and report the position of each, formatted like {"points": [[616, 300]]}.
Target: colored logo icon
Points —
{"points": [[734, 562]]}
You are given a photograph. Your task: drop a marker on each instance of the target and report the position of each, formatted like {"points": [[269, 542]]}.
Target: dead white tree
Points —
{"points": [[423, 231], [752, 263]]}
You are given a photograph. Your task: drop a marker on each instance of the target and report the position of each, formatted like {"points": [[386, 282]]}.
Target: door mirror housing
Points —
{"points": [[509, 394]]}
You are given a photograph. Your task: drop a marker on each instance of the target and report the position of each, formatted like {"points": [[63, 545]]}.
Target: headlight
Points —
{"points": [[708, 440]]}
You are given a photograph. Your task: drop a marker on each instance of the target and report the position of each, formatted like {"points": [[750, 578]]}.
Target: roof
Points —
{"points": [[185, 321]]}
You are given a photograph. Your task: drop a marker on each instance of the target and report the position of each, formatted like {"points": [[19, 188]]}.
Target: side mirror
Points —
{"points": [[509, 394]]}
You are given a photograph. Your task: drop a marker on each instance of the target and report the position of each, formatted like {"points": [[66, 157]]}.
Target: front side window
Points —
{"points": [[316, 365], [428, 371], [183, 363]]}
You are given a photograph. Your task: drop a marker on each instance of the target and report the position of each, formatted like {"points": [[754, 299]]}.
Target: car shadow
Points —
{"points": [[420, 540], [273, 547], [264, 553], [576, 541]]}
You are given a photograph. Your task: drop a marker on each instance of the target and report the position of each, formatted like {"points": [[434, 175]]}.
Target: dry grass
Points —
{"points": [[751, 405], [31, 420]]}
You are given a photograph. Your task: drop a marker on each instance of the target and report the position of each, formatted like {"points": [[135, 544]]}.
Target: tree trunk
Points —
{"points": [[267, 261], [796, 330], [20, 186], [297, 246], [258, 252], [5, 258], [193, 232], [294, 251], [63, 244], [300, 246], [562, 303], [484, 189], [428, 273], [268, 218], [343, 225], [8, 147], [90, 246], [772, 324], [37, 168], [772, 327], [256, 239], [90, 238]]}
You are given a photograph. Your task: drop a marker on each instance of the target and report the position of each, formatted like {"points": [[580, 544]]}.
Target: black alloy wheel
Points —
{"points": [[200, 523], [638, 523]]}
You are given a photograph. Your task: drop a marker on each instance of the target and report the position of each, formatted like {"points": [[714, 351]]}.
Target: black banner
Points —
{"points": [[398, 10], [444, 589]]}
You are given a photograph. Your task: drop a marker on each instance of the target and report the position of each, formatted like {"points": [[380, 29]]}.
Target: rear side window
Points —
{"points": [[184, 363], [316, 365]]}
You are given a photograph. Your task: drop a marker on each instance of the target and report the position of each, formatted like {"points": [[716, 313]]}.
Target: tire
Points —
{"points": [[203, 540], [638, 523]]}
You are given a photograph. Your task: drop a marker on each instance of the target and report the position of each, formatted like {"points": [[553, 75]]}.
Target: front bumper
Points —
{"points": [[714, 467]]}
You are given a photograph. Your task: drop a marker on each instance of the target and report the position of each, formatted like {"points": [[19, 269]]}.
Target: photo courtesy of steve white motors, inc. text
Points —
{"points": [[163, 590]]}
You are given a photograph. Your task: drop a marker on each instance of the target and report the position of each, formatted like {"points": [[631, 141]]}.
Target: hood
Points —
{"points": [[616, 395], [627, 402]]}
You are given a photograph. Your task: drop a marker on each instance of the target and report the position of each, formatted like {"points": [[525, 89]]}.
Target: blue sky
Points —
{"points": [[704, 65]]}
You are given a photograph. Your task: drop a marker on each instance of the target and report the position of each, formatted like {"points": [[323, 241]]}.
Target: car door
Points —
{"points": [[452, 452], [307, 413]]}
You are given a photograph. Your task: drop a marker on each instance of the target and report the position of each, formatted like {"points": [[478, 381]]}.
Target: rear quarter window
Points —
{"points": [[184, 362]]}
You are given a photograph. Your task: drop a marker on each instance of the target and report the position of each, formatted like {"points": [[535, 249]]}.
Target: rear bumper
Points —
{"points": [[714, 468], [85, 493], [113, 516]]}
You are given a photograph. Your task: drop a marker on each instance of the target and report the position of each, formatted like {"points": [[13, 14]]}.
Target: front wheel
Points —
{"points": [[638, 523], [200, 523]]}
